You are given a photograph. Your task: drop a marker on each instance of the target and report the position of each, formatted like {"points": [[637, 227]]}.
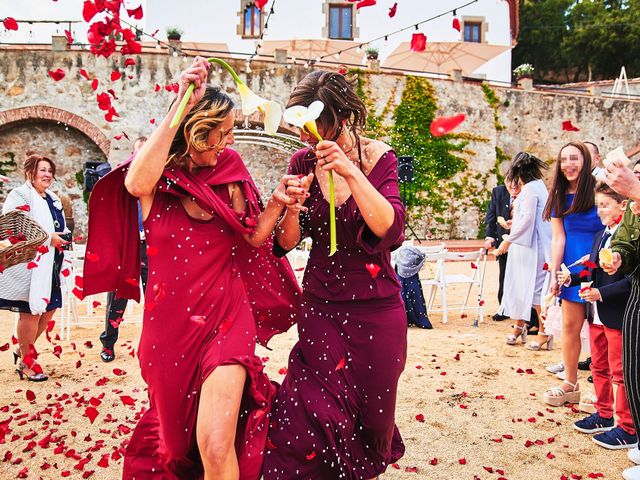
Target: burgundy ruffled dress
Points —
{"points": [[334, 416], [209, 295]]}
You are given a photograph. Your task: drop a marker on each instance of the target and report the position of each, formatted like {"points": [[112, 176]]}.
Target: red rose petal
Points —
{"points": [[129, 62], [10, 23], [197, 319], [567, 126], [340, 364], [57, 74], [30, 395], [393, 10], [69, 36], [418, 42], [456, 23], [127, 400], [92, 413], [115, 75], [443, 125], [420, 418], [135, 13], [92, 257], [311, 455], [373, 269]]}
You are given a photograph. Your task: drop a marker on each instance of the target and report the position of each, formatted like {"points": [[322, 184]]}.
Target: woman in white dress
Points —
{"points": [[529, 246]]}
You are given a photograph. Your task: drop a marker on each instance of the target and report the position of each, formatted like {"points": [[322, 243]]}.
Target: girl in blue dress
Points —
{"points": [[574, 222]]}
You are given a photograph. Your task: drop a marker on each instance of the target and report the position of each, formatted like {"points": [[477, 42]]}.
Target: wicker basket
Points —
{"points": [[16, 223]]}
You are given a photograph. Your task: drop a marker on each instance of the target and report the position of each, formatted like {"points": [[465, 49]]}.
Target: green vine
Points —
{"points": [[7, 166], [80, 180], [494, 102]]}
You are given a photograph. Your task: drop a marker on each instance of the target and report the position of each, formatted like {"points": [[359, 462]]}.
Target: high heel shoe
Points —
{"points": [[537, 345], [38, 374], [557, 396], [511, 338], [16, 356]]}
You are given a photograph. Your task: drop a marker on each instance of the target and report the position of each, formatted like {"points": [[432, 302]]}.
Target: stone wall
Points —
{"points": [[532, 120]]}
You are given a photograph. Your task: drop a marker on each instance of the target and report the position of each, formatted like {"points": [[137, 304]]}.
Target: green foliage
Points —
{"points": [[435, 158], [494, 102], [7, 166], [80, 180], [575, 41]]}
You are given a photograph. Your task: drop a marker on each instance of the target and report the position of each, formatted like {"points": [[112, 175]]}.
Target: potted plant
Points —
{"points": [[174, 33], [372, 53], [524, 71]]}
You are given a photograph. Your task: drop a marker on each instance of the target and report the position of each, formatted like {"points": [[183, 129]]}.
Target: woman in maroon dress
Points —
{"points": [[208, 277], [334, 415]]}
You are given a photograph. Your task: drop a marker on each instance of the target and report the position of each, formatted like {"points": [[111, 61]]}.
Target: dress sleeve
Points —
{"points": [[13, 201], [386, 182], [524, 222]]}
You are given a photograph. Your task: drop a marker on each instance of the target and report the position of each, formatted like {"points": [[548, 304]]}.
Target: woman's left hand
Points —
{"points": [[280, 196], [591, 295], [332, 158]]}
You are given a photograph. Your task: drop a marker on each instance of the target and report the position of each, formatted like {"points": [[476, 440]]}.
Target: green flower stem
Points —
{"points": [[187, 95], [332, 204]]}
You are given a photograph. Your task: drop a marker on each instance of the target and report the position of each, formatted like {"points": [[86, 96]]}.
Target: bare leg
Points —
{"points": [[27, 333], [573, 314], [43, 322], [218, 412]]}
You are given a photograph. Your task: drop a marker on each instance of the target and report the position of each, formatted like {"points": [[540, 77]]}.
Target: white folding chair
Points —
{"points": [[471, 279], [432, 249], [435, 280]]}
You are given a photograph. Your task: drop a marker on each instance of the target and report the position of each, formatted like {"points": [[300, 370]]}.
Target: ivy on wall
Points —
{"points": [[7, 167]]}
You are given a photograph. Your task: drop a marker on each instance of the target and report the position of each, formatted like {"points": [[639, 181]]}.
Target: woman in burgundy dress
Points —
{"points": [[210, 274], [334, 415]]}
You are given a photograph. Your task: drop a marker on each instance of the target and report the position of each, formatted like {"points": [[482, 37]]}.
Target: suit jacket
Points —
{"points": [[614, 289], [499, 206]]}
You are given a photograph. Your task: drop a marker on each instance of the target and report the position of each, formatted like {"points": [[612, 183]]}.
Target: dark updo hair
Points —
{"points": [[340, 101], [31, 166], [526, 168], [193, 131]]}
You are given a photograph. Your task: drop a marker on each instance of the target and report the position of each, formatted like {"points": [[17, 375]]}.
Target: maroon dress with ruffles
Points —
{"points": [[334, 416], [209, 296]]}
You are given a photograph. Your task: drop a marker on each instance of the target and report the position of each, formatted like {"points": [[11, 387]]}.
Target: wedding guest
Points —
{"points": [[117, 306], [35, 292], [574, 223], [212, 289], [607, 298], [334, 415], [502, 198], [528, 243], [596, 158], [626, 259]]}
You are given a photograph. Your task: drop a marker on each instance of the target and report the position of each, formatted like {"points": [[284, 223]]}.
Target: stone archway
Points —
{"points": [[43, 112]]}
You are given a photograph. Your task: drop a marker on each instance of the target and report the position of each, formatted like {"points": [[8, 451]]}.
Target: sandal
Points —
{"points": [[587, 403], [557, 396], [511, 338], [537, 345]]}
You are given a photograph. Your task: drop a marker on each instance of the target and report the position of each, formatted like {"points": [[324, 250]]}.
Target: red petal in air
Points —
{"points": [[311, 456], [418, 42], [84, 73], [69, 36], [129, 62], [24, 208], [365, 3], [135, 13], [545, 267], [443, 125], [197, 319], [94, 84], [260, 3], [373, 269], [152, 121], [590, 264], [283, 371], [57, 350], [57, 74], [567, 126], [474, 266], [31, 265], [115, 75], [158, 87], [50, 325], [456, 24], [392, 10], [88, 10], [10, 23], [341, 364], [584, 273], [151, 251], [96, 304]]}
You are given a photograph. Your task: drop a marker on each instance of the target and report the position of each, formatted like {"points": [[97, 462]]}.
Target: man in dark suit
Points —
{"points": [[606, 297], [500, 206]]}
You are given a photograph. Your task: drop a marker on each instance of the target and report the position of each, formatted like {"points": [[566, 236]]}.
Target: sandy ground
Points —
{"points": [[465, 382]]}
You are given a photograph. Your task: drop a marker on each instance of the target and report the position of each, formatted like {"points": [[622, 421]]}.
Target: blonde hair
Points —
{"points": [[194, 129]]}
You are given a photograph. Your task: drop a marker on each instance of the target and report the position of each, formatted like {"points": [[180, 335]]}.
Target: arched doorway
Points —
{"points": [[68, 139]]}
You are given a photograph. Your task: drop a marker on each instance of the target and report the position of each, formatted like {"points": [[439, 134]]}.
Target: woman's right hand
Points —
{"points": [[57, 241], [554, 288], [197, 74]]}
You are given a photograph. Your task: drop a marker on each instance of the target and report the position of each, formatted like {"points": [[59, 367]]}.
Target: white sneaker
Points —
{"points": [[634, 455], [561, 375], [632, 473], [558, 367]]}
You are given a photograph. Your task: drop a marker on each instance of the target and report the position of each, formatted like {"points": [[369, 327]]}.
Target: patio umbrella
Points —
{"points": [[444, 57], [312, 49]]}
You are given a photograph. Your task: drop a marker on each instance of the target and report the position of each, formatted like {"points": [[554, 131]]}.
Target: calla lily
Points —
{"points": [[305, 117], [250, 102]]}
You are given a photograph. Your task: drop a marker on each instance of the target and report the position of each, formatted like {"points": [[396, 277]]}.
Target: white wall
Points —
{"points": [[217, 20]]}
